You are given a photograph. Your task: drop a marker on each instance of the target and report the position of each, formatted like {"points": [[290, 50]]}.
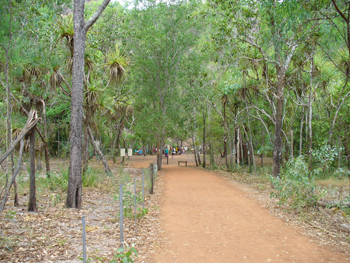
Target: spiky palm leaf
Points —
{"points": [[56, 79], [342, 60], [66, 31], [116, 64], [92, 96]]}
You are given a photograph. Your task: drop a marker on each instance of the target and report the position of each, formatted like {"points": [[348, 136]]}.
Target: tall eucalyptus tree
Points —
{"points": [[275, 29]]}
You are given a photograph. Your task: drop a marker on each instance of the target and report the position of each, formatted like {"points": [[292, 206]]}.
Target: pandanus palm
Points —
{"points": [[66, 31], [116, 64]]}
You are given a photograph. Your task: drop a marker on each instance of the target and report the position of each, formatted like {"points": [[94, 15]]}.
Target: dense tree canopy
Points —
{"points": [[239, 79]]}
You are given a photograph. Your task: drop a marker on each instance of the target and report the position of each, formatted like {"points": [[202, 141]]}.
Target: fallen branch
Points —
{"points": [[31, 122], [7, 192], [104, 161]]}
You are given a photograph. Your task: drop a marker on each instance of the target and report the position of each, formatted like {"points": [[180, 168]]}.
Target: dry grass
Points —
{"points": [[334, 182]]}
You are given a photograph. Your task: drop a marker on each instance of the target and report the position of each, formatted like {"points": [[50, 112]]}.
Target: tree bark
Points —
{"points": [[310, 131], [151, 178], [32, 188], [238, 147], [85, 154], [46, 145], [199, 158], [277, 147], [292, 144], [194, 136], [194, 150], [74, 198], [204, 149], [310, 114], [301, 133], [225, 133]]}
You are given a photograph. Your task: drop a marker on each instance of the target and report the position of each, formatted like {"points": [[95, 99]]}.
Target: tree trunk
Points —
{"points": [[85, 154], [199, 158], [252, 157], [292, 144], [194, 150], [225, 135], [310, 132], [277, 147], [241, 149], [74, 198], [204, 148], [15, 202], [251, 146], [310, 114], [114, 149], [301, 133], [194, 136], [151, 178], [32, 188], [46, 145], [339, 153], [229, 155], [238, 147]]}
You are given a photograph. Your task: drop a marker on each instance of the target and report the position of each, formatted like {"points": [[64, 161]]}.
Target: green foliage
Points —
{"points": [[325, 155], [129, 204], [341, 173], [10, 214], [56, 181], [295, 187], [90, 178], [126, 255]]}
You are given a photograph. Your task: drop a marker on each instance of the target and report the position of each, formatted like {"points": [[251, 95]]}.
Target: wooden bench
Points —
{"points": [[185, 162]]}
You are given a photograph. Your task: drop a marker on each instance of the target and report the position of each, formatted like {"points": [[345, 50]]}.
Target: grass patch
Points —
{"points": [[332, 182]]}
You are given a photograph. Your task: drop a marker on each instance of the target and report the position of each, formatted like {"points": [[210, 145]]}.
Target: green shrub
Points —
{"points": [[325, 156], [60, 180], [295, 187], [125, 255], [341, 173], [129, 204], [90, 178]]}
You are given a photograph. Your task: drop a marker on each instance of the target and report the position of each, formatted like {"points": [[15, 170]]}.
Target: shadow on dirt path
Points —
{"points": [[206, 218]]}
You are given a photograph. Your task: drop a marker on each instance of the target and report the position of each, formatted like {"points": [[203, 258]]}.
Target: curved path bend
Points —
{"points": [[206, 218]]}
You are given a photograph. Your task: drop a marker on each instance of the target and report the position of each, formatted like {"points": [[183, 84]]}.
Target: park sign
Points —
{"points": [[122, 152]]}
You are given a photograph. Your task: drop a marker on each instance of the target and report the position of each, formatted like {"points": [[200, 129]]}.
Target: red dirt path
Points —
{"points": [[206, 218]]}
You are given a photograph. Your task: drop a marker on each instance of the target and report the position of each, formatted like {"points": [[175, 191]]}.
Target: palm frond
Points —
{"points": [[116, 64]]}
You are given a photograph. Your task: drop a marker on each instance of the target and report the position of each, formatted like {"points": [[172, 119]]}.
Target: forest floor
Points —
{"points": [[194, 216], [54, 234]]}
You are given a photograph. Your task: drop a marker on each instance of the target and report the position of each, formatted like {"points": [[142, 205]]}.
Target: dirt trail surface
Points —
{"points": [[206, 218]]}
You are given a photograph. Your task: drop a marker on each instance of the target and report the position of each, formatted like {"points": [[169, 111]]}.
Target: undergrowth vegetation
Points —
{"points": [[300, 189], [296, 187]]}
